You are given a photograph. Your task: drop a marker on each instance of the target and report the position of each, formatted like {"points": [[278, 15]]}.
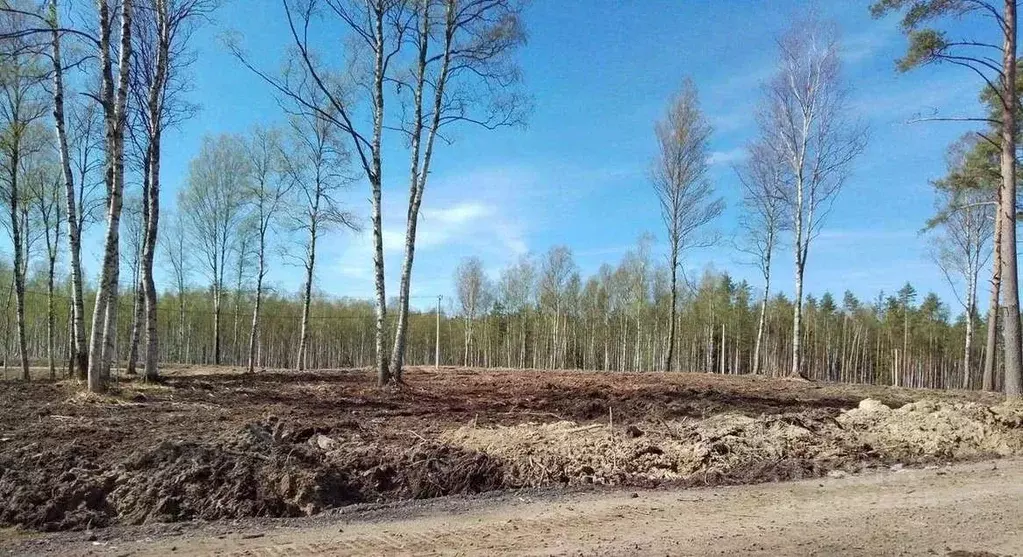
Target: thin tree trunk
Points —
{"points": [[217, 295], [763, 304], [376, 181], [78, 347], [152, 194], [51, 332], [307, 296], [415, 199], [419, 173], [971, 308], [991, 345], [761, 324], [138, 305], [7, 325], [183, 353], [152, 201], [468, 336], [723, 356], [254, 331], [797, 317], [138, 297], [669, 356], [19, 262], [797, 324], [905, 340], [235, 351]]}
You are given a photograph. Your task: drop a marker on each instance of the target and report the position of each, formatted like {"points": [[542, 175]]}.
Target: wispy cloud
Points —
{"points": [[897, 100], [482, 212], [726, 157], [460, 213], [862, 46], [470, 224]]}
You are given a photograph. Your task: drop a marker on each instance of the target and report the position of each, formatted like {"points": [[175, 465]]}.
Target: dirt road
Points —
{"points": [[971, 509]]}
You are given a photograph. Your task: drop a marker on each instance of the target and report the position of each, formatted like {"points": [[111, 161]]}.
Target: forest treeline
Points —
{"points": [[541, 313]]}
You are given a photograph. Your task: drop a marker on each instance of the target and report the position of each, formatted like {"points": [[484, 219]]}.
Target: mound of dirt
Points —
{"points": [[265, 469], [202, 446], [931, 428], [734, 448], [726, 448], [53, 490]]}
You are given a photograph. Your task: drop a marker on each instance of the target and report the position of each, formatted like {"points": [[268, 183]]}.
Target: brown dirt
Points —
{"points": [[215, 443], [962, 510]]}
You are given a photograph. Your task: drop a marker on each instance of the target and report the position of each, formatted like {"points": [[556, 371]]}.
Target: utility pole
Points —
{"points": [[436, 350]]}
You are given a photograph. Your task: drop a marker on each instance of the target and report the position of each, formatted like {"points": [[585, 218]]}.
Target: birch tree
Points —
{"points": [[164, 28], [213, 205], [980, 169], [517, 288], [463, 72], [374, 32], [133, 221], [244, 250], [964, 225], [113, 99], [762, 177], [806, 116], [960, 250], [75, 199], [686, 198], [470, 283], [556, 270], [21, 111], [930, 45], [179, 258], [47, 197], [79, 143], [270, 187], [460, 72], [317, 162]]}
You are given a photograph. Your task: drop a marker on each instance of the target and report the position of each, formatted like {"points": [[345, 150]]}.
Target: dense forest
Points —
{"points": [[74, 162]]}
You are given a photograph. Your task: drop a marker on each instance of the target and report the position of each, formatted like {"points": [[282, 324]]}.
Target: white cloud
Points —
{"points": [[394, 240], [454, 224], [490, 212], [460, 213], [726, 157], [445, 233]]}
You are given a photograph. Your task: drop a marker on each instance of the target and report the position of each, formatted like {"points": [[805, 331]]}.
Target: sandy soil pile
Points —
{"points": [[929, 428], [733, 448]]}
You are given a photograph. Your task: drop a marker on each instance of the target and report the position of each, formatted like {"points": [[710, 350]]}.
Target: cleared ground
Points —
{"points": [[216, 444], [960, 510]]}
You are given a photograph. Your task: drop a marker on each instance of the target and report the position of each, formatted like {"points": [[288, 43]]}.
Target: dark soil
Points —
{"points": [[215, 444]]}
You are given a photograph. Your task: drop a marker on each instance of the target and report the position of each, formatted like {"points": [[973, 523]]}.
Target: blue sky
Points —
{"points": [[600, 73]]}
